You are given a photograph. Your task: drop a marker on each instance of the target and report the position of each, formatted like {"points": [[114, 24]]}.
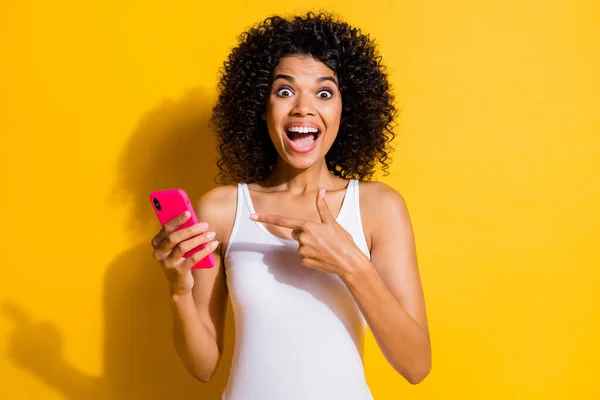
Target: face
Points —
{"points": [[303, 110]]}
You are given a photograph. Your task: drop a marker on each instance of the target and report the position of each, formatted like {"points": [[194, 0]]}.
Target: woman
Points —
{"points": [[304, 105]]}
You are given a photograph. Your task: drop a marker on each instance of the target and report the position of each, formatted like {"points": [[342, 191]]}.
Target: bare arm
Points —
{"points": [[388, 288], [198, 321], [199, 297]]}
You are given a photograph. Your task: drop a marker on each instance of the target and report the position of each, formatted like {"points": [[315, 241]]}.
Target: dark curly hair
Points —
{"points": [[246, 152]]}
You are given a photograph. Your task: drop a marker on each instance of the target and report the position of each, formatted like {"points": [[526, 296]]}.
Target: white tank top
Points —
{"points": [[298, 332]]}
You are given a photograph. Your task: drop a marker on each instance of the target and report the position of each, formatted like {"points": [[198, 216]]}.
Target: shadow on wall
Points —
{"points": [[171, 147]]}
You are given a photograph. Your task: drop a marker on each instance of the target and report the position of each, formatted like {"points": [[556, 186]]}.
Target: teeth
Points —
{"points": [[299, 129]]}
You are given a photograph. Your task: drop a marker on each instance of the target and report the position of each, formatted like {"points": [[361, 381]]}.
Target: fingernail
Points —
{"points": [[202, 225], [253, 217], [186, 214], [322, 192], [210, 235], [213, 245]]}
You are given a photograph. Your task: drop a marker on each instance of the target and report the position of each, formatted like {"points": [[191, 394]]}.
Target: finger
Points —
{"points": [[199, 255], [309, 262], [162, 250], [307, 251], [174, 238], [169, 227], [296, 234], [189, 244], [323, 208], [292, 223]]}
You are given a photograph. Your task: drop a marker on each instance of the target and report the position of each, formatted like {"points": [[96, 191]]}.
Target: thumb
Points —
{"points": [[323, 208]]}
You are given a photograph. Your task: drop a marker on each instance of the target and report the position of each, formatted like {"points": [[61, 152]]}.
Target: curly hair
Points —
{"points": [[246, 152]]}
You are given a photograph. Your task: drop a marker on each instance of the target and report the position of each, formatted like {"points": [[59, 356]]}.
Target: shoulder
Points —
{"points": [[380, 206], [215, 198], [374, 195], [217, 207]]}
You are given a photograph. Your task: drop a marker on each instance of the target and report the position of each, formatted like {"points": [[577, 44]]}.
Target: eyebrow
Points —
{"points": [[291, 78]]}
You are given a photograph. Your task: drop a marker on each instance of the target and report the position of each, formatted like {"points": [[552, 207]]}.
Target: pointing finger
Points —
{"points": [[292, 223]]}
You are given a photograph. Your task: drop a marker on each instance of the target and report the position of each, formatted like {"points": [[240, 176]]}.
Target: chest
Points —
{"points": [[302, 207]]}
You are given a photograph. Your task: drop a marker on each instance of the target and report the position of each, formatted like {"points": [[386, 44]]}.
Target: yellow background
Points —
{"points": [[497, 156]]}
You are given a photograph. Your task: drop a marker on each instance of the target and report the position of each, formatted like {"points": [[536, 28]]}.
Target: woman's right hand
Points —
{"points": [[170, 245]]}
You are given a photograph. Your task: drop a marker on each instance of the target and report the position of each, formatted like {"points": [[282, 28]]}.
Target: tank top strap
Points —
{"points": [[240, 213], [345, 212], [354, 222], [246, 201]]}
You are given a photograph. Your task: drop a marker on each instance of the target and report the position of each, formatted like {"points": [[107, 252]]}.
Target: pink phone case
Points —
{"points": [[167, 205]]}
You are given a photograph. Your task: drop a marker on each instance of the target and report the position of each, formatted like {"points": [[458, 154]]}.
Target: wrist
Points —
{"points": [[356, 270], [180, 295]]}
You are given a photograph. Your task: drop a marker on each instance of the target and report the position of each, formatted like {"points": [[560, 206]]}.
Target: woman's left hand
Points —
{"points": [[324, 245]]}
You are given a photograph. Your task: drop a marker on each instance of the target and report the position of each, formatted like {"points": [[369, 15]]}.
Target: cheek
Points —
{"points": [[271, 118], [276, 111], [332, 117], [273, 132], [332, 110]]}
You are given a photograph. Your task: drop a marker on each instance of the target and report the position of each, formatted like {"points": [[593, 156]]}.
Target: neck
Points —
{"points": [[284, 177]]}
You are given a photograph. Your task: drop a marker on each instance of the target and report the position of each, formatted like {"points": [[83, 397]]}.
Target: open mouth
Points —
{"points": [[303, 137]]}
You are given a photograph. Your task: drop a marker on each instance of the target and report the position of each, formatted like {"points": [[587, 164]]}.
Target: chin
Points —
{"points": [[301, 164], [297, 161]]}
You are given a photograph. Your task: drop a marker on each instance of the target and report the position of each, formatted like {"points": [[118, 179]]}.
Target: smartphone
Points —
{"points": [[167, 205]]}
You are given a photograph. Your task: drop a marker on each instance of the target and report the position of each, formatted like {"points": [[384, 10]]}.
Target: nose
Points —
{"points": [[303, 105]]}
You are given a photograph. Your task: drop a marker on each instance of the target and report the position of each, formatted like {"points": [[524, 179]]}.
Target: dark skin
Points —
{"points": [[386, 287], [319, 243], [376, 284]]}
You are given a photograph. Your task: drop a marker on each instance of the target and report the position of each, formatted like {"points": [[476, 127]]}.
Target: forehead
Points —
{"points": [[302, 65]]}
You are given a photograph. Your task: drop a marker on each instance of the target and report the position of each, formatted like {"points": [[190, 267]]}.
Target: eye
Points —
{"points": [[284, 92], [324, 94]]}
